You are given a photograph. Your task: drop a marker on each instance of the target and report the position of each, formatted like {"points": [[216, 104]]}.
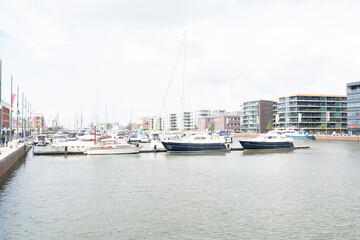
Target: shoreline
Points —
{"points": [[317, 137]]}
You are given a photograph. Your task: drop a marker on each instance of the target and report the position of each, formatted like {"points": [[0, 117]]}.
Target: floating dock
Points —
{"points": [[64, 151]]}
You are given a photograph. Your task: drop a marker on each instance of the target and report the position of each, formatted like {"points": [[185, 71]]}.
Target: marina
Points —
{"points": [[179, 120], [240, 194]]}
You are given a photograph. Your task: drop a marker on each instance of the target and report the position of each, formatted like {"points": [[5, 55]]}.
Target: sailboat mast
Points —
{"points": [[183, 89]]}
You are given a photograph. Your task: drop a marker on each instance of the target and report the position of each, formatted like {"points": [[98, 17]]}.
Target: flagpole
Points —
{"points": [[11, 99], [22, 117], [31, 119], [0, 97], [25, 117], [17, 113]]}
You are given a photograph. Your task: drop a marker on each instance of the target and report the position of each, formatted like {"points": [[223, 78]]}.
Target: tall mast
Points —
{"points": [[183, 89]]}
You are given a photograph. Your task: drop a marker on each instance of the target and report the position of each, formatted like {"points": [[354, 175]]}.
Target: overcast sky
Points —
{"points": [[69, 55]]}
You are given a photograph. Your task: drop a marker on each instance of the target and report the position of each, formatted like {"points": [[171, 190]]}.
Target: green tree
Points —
{"points": [[322, 128], [269, 127], [211, 127], [50, 128]]}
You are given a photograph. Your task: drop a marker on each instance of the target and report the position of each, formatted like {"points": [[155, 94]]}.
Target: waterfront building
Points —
{"points": [[200, 113], [186, 121], [314, 113], [38, 122], [5, 115], [257, 116], [173, 122], [180, 121], [228, 123], [353, 108], [155, 123], [205, 113]]}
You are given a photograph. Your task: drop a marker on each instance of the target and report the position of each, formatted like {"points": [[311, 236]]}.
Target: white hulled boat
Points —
{"points": [[111, 146], [270, 140]]}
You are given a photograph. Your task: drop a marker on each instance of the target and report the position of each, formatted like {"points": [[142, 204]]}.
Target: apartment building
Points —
{"points": [[256, 116], [353, 108], [315, 113]]}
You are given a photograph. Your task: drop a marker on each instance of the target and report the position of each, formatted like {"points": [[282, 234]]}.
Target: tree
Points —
{"points": [[269, 127], [211, 127], [321, 128], [50, 128]]}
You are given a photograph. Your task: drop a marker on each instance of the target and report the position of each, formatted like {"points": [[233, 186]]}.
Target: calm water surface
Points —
{"points": [[301, 194]]}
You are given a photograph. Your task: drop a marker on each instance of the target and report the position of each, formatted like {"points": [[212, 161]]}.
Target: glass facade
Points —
{"points": [[353, 103], [314, 113]]}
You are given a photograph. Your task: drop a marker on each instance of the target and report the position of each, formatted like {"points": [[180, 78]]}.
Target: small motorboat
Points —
{"points": [[112, 146], [270, 140], [302, 135], [196, 143]]}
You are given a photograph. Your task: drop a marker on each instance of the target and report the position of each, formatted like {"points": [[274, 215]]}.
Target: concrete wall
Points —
{"points": [[7, 162], [337, 138]]}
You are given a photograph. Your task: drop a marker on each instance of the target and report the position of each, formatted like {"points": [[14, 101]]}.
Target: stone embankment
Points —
{"points": [[9, 156], [317, 137], [337, 138]]}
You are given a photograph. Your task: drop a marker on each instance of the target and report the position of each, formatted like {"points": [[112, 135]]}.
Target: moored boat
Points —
{"points": [[196, 143], [271, 140], [302, 135], [111, 146]]}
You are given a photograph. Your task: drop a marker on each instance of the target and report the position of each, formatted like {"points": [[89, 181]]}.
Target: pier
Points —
{"points": [[48, 151], [10, 156]]}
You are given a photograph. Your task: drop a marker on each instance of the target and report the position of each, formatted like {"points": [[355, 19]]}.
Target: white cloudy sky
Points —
{"points": [[68, 55]]}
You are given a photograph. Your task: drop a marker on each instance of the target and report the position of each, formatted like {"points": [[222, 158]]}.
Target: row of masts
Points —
{"points": [[26, 113]]}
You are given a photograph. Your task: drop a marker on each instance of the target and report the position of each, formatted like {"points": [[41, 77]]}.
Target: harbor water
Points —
{"points": [[299, 194]]}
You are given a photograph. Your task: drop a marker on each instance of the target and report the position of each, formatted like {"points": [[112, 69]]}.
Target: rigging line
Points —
{"points": [[172, 77]]}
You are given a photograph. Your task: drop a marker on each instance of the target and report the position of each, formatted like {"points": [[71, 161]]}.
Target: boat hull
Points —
{"points": [[194, 147], [111, 151], [266, 145], [302, 137]]}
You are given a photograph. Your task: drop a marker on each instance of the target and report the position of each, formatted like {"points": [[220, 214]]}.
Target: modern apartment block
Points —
{"points": [[315, 113], [178, 121], [155, 123], [201, 113], [5, 115], [230, 123], [353, 107], [38, 122], [257, 115]]}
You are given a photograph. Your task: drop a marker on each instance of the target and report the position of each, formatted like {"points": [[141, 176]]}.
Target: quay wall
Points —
{"points": [[317, 137], [337, 138], [8, 162]]}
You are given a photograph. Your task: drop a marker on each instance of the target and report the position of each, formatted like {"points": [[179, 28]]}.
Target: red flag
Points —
{"points": [[12, 101], [328, 116]]}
